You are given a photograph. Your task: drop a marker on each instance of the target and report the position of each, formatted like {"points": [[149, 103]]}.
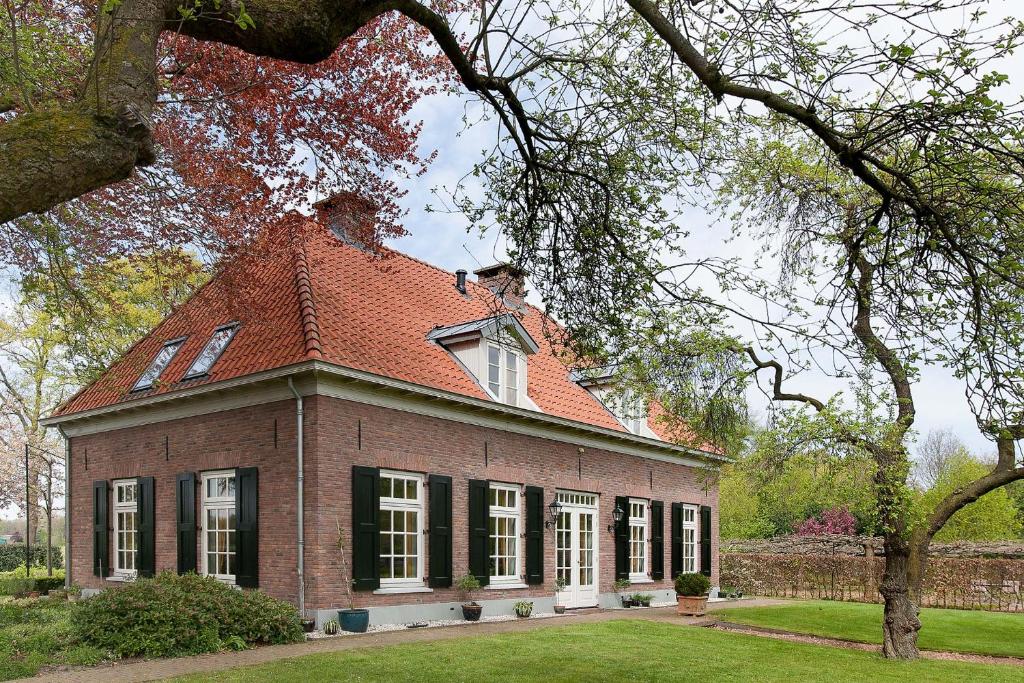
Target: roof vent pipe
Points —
{"points": [[460, 280]]}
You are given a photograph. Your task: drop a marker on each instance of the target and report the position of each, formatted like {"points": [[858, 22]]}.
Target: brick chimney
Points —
{"points": [[505, 280], [351, 217]]}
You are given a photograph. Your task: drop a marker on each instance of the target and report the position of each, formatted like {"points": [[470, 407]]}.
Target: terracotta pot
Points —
{"points": [[692, 605]]}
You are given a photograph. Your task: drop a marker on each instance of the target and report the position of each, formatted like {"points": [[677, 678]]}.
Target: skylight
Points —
{"points": [[163, 358], [211, 352]]}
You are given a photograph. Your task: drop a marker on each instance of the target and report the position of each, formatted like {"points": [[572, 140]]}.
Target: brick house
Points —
{"points": [[318, 413]]}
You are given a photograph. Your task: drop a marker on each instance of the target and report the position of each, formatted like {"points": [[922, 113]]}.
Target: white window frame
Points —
{"points": [[120, 508], [503, 390], [405, 505], [638, 539], [218, 503], [207, 350], [691, 541], [175, 346], [507, 512]]}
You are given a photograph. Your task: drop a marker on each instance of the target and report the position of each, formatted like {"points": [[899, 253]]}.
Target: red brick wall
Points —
{"points": [[390, 438], [403, 441], [236, 438]]}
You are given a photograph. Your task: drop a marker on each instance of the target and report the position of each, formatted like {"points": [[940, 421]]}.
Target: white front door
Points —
{"points": [[576, 558]]}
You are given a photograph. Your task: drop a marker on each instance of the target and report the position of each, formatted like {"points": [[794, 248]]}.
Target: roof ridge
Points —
{"points": [[312, 346]]}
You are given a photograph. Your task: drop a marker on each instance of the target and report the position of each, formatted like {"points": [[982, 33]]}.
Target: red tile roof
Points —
{"points": [[304, 294]]}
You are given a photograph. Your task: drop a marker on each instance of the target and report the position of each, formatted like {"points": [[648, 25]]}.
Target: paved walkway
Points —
{"points": [[151, 670]]}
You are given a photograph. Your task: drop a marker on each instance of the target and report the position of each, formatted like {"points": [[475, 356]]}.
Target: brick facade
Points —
{"points": [[338, 435]]}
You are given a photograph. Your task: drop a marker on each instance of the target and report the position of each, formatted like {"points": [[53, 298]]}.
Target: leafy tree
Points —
{"points": [[992, 517], [864, 140], [230, 142]]}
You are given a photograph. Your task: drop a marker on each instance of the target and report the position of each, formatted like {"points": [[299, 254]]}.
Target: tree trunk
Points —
{"points": [[900, 622]]}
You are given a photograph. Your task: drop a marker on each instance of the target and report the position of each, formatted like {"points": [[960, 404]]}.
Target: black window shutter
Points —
{"points": [[677, 539], [365, 531], [534, 535], [440, 530], [479, 512], [100, 526], [705, 540], [146, 548], [622, 539], [657, 540], [247, 530], [186, 521]]}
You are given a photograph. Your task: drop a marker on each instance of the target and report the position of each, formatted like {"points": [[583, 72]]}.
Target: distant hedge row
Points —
{"points": [[13, 555]]}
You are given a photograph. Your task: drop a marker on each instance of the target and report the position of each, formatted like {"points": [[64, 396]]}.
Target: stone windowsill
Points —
{"points": [[504, 586], [646, 579], [397, 590]]}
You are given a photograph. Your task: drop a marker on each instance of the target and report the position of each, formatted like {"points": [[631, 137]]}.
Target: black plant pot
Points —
{"points": [[559, 609], [308, 625], [472, 611], [627, 602]]}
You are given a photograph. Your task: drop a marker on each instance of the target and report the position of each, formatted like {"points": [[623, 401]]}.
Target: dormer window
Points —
{"points": [[629, 409], [163, 358], [503, 374], [222, 336], [493, 351]]}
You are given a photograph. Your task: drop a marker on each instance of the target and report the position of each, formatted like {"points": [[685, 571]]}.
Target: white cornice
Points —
{"points": [[328, 379]]}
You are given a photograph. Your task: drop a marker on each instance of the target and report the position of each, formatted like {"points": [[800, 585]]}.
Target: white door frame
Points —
{"points": [[576, 507]]}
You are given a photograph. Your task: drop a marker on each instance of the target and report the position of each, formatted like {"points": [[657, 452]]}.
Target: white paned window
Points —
{"points": [[219, 525], [126, 527], [401, 529], [637, 540], [163, 358], [504, 369], [503, 527], [689, 539], [211, 352]]}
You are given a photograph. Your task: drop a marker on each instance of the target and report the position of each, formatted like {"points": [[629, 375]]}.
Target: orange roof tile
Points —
{"points": [[307, 295]]}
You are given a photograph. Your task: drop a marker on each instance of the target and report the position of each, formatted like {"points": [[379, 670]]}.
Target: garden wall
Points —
{"points": [[848, 568]]}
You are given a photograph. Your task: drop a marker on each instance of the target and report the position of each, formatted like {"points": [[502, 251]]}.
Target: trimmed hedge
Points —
{"points": [[16, 583], [171, 616], [12, 555]]}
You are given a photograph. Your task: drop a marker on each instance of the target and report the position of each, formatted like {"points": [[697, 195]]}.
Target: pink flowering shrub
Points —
{"points": [[832, 521]]}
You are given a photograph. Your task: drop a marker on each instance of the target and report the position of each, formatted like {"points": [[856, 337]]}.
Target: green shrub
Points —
{"points": [[172, 615], [15, 582], [12, 555], [692, 585]]}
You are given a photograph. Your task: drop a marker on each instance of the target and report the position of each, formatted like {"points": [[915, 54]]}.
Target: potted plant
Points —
{"points": [[692, 594], [560, 585], [621, 586], [308, 625], [524, 608], [642, 599], [351, 619], [330, 627], [466, 585]]}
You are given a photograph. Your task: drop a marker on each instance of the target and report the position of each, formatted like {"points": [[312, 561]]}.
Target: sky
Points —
{"points": [[442, 239]]}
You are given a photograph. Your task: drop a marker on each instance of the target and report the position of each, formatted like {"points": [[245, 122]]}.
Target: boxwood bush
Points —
{"points": [[13, 554], [171, 615], [15, 582]]}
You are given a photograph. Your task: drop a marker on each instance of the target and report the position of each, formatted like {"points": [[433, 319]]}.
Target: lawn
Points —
{"points": [[610, 651], [34, 633], [991, 633]]}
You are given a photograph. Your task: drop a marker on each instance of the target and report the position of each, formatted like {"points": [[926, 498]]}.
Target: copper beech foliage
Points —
{"points": [[240, 140]]}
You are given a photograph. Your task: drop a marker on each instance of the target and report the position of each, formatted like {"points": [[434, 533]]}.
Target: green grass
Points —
{"points": [[36, 633], [989, 633], [610, 651]]}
